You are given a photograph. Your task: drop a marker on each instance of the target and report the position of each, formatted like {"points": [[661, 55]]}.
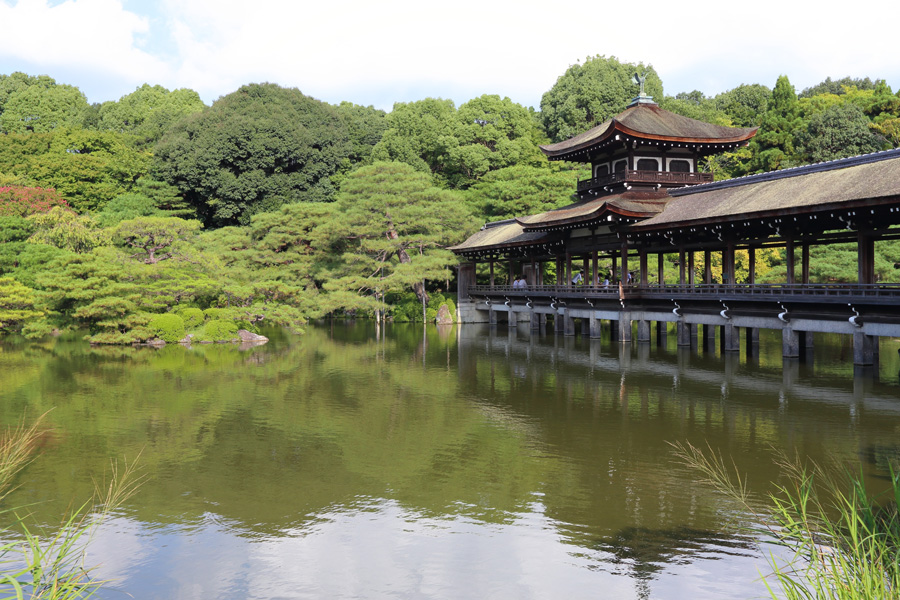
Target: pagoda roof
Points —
{"points": [[650, 122], [639, 204], [864, 180]]}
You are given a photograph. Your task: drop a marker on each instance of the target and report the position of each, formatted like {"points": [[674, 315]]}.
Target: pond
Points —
{"points": [[466, 462]]}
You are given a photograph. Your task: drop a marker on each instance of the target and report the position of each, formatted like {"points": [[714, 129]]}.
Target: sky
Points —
{"points": [[379, 53]]}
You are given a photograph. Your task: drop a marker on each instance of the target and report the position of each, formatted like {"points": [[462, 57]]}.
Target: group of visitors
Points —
{"points": [[578, 278], [519, 283]]}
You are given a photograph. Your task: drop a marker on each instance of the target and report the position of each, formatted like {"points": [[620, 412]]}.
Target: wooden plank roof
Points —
{"points": [[860, 179], [649, 121]]}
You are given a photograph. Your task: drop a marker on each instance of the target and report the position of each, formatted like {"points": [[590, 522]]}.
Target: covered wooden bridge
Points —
{"points": [[646, 201]]}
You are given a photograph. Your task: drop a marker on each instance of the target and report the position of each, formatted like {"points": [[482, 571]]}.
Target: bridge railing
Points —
{"points": [[833, 291]]}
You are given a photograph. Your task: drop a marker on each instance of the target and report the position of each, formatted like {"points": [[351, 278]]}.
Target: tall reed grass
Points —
{"points": [[49, 563], [843, 542]]}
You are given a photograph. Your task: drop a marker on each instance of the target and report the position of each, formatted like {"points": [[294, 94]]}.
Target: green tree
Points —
{"points": [[457, 147], [391, 226], [254, 150], [16, 305], [63, 228], [148, 112], [88, 168], [745, 105], [837, 132], [589, 93], [696, 105], [774, 145], [93, 290], [40, 109], [521, 190], [837, 86], [154, 238]]}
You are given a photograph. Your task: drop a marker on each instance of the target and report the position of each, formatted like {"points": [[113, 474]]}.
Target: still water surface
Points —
{"points": [[461, 463]]}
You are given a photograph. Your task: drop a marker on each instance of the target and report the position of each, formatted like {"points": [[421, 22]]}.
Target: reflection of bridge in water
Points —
{"points": [[686, 369], [863, 311]]}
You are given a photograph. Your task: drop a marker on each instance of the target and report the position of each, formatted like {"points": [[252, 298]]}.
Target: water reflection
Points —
{"points": [[454, 462]]}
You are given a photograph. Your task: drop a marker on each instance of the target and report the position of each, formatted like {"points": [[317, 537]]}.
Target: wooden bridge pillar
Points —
{"points": [[465, 279], [643, 332], [512, 320], [866, 257], [683, 331], [864, 349], [558, 324], [492, 316], [790, 343], [535, 320], [707, 267], [569, 323]]}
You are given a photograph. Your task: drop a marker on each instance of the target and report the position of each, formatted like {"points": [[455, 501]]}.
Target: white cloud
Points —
{"points": [[379, 52], [96, 37]]}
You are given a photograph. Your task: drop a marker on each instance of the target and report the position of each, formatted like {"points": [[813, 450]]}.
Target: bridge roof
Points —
{"points": [[499, 235], [860, 179], [649, 122], [642, 204]]}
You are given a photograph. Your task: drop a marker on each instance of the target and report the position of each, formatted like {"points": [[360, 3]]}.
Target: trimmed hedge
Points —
{"points": [[193, 317], [218, 330], [168, 327]]}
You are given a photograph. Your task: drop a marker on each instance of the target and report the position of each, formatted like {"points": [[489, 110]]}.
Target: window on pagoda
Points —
{"points": [[620, 166], [647, 164], [680, 166], [601, 170]]}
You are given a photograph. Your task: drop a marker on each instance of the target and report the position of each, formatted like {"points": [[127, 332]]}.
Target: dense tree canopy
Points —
{"points": [[589, 93], [41, 106], [327, 208], [252, 151], [457, 147], [148, 112]]}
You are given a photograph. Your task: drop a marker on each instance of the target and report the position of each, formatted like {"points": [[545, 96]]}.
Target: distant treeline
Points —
{"points": [[274, 207]]}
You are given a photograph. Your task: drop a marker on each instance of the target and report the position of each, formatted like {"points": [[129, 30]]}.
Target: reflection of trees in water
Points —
{"points": [[642, 552]]}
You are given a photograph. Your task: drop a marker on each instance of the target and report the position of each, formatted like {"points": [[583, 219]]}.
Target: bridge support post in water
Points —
{"points": [[683, 332], [492, 316], [790, 343], [569, 323], [643, 332], [558, 323], [864, 349], [535, 320], [661, 333], [624, 330], [731, 338], [512, 319], [594, 326], [752, 339], [709, 338]]}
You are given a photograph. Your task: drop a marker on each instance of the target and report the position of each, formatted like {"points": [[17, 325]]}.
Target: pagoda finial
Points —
{"points": [[642, 97]]}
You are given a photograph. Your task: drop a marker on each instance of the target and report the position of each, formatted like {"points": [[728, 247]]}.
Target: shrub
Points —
{"points": [[21, 201], [213, 313], [218, 330], [168, 327], [193, 317]]}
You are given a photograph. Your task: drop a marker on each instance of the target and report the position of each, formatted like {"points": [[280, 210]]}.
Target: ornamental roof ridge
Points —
{"points": [[820, 167]]}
